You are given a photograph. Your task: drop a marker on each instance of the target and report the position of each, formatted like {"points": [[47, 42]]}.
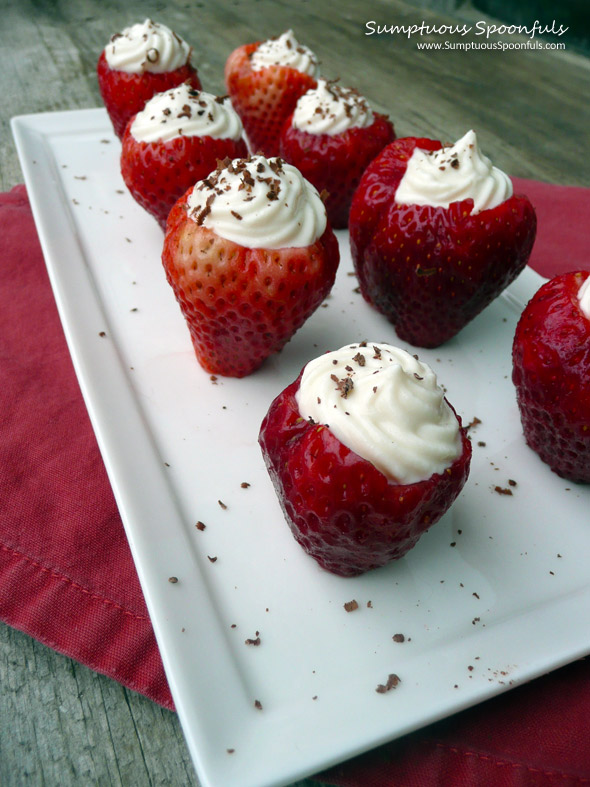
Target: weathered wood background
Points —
{"points": [[60, 723]]}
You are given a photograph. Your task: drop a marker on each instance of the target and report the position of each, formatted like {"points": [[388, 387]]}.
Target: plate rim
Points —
{"points": [[29, 132]]}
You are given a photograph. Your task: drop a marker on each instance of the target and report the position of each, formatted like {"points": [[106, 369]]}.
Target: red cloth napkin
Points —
{"points": [[66, 574], [67, 577]]}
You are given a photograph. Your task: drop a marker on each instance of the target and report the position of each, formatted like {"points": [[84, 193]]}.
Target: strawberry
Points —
{"points": [[242, 303], [263, 98], [431, 270], [125, 94], [551, 373], [159, 172], [334, 162], [344, 512]]}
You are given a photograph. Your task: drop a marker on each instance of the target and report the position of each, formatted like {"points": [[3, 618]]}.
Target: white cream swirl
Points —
{"points": [[331, 109], [452, 174], [285, 50], [584, 298], [386, 406], [184, 111], [259, 203], [147, 46]]}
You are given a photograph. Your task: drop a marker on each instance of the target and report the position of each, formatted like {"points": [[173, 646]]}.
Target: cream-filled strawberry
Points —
{"points": [[250, 255], [365, 454], [332, 136], [265, 80], [436, 234], [551, 373], [175, 141], [452, 174], [140, 61]]}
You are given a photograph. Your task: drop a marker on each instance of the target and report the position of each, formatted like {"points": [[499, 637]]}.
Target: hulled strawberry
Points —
{"points": [[250, 255], [436, 234], [175, 141], [331, 137], [140, 61], [264, 81], [354, 497], [551, 372]]}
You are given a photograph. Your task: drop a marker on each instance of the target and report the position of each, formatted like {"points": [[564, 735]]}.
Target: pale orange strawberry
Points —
{"points": [[242, 304], [263, 98]]}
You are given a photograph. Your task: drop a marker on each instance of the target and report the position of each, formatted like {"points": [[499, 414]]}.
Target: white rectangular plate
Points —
{"points": [[492, 596]]}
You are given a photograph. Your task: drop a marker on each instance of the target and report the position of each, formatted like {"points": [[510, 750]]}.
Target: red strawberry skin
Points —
{"points": [[343, 511], [335, 163], [158, 173], [241, 304], [551, 372], [125, 94], [431, 270], [263, 99]]}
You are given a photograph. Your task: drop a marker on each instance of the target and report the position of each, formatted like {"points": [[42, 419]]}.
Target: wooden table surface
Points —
{"points": [[60, 723]]}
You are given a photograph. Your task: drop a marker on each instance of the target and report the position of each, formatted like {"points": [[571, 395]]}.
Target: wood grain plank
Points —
{"points": [[61, 723]]}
